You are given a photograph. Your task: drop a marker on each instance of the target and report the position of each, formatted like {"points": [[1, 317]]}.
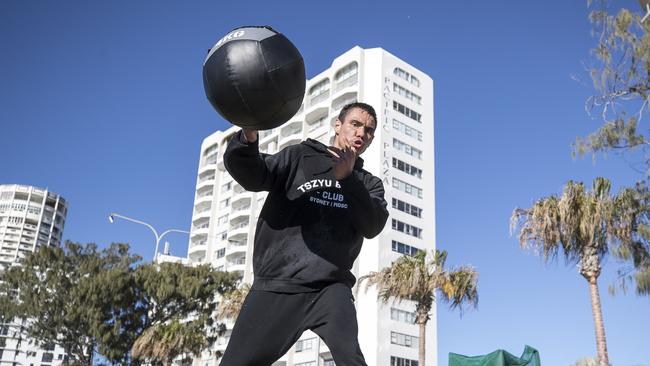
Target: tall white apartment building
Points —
{"points": [[30, 217], [402, 155]]}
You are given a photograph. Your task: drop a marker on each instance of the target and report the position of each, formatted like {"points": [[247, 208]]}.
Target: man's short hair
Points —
{"points": [[363, 106]]}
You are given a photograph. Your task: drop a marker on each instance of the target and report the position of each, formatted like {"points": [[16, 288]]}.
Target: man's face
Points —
{"points": [[357, 130]]}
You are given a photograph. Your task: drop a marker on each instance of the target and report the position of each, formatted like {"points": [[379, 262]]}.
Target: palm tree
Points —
{"points": [[232, 302], [582, 226], [162, 343], [416, 279]]}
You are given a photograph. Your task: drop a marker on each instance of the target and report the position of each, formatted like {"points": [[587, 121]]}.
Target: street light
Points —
{"points": [[645, 5], [111, 219]]}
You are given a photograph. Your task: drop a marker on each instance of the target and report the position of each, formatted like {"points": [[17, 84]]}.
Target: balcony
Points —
{"points": [[266, 134], [236, 265], [237, 243], [321, 97], [236, 250], [238, 232], [205, 183], [202, 206], [241, 197], [344, 99], [200, 221], [198, 239], [239, 213], [210, 160], [205, 191], [203, 200], [201, 215], [346, 83], [198, 249], [197, 257], [290, 134], [318, 127], [202, 230]]}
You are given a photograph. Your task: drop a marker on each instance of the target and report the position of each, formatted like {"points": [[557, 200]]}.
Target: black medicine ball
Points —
{"points": [[255, 78]]}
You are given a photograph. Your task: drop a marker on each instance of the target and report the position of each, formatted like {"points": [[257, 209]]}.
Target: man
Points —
{"points": [[320, 206]]}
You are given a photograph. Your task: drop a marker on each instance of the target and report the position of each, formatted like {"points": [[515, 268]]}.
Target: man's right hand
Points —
{"points": [[250, 135]]}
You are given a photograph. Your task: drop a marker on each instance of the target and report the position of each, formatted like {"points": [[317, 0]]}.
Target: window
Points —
{"points": [[404, 340], [402, 248], [223, 235], [407, 112], [402, 316], [407, 207], [406, 76], [19, 206], [406, 93], [224, 203], [222, 219], [407, 188], [398, 361], [15, 220], [47, 357], [226, 187], [329, 362], [407, 229], [407, 130], [221, 252], [407, 168], [304, 345], [406, 148]]}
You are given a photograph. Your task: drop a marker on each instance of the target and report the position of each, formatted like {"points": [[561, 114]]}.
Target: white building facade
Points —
{"points": [[30, 217], [402, 155]]}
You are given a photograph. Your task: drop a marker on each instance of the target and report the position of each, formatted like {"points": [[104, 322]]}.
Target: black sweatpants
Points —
{"points": [[270, 323]]}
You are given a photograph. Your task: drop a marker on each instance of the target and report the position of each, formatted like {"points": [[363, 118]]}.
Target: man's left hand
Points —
{"points": [[344, 160]]}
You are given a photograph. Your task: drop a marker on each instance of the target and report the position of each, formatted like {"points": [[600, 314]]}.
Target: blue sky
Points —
{"points": [[103, 103]]}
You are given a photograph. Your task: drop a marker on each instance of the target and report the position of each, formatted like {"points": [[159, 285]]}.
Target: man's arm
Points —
{"points": [[366, 204], [254, 171]]}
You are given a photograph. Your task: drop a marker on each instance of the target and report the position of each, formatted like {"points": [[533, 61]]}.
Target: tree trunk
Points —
{"points": [[421, 348], [601, 343]]}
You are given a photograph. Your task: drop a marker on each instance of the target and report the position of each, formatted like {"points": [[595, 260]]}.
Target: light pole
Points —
{"points": [[111, 219]]}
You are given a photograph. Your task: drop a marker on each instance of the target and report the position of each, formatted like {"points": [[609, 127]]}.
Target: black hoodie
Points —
{"points": [[311, 227]]}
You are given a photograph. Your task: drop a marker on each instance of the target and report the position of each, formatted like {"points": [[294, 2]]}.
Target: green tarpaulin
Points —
{"points": [[530, 357]]}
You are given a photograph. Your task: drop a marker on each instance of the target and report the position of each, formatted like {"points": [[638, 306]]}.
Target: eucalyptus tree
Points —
{"points": [[621, 79], [181, 303], [583, 227], [74, 297], [91, 302], [419, 279]]}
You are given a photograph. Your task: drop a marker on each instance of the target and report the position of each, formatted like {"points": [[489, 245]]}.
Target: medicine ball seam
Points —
{"points": [[236, 86]]}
